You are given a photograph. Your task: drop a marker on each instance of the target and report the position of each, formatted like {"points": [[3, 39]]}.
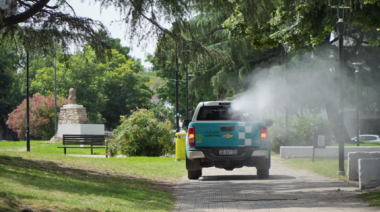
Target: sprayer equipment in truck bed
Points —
{"points": [[222, 135]]}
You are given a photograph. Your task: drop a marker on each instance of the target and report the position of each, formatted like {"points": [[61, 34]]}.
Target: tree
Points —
{"points": [[107, 88], [42, 25], [215, 79], [41, 117], [141, 134], [124, 89], [10, 96]]}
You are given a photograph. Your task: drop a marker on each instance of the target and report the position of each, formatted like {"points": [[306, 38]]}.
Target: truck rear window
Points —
{"points": [[213, 113]]}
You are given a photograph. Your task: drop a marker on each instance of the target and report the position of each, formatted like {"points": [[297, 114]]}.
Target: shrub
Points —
{"points": [[277, 133], [302, 131], [142, 134], [41, 116], [307, 128]]}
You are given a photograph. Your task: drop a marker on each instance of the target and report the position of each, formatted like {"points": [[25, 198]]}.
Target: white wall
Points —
{"points": [[330, 152]]}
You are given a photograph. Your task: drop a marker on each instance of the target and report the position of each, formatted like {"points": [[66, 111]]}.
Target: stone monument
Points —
{"points": [[73, 120], [72, 113]]}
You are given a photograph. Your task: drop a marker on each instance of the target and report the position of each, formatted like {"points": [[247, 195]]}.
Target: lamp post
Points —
{"points": [[187, 94], [286, 106], [357, 65], [27, 103], [341, 25], [55, 93], [176, 90]]}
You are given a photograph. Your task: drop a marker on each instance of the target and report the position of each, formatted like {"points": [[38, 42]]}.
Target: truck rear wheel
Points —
{"points": [[263, 173], [194, 174]]}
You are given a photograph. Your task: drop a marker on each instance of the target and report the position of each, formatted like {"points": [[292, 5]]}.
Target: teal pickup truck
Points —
{"points": [[219, 136]]}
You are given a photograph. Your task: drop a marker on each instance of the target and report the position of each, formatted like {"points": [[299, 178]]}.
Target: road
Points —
{"points": [[285, 190]]}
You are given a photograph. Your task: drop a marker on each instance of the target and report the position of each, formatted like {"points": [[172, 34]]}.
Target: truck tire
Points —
{"points": [[263, 173], [193, 175]]}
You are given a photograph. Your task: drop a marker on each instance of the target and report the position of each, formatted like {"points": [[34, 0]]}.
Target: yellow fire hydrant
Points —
{"points": [[180, 146]]}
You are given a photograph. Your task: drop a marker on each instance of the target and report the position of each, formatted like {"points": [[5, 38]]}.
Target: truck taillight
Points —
{"points": [[263, 135], [191, 136]]}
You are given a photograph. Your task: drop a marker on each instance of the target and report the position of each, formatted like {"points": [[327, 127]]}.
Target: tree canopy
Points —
{"points": [[42, 25]]}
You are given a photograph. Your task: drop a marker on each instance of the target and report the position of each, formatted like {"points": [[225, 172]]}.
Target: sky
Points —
{"points": [[92, 10]]}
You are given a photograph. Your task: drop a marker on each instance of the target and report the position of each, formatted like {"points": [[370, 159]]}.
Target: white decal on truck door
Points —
{"points": [[241, 135], [248, 142]]}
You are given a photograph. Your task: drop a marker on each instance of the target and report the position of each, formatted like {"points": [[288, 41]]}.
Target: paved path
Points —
{"points": [[285, 190]]}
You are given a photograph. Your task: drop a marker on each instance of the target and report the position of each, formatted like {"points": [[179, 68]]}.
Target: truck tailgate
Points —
{"points": [[227, 134]]}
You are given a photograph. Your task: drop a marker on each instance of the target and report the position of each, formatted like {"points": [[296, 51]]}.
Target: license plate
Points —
{"points": [[228, 152]]}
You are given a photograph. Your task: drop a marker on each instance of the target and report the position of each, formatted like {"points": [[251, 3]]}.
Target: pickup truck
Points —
{"points": [[219, 136]]}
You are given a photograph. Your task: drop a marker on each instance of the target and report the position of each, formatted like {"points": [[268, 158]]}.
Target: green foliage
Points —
{"points": [[41, 116], [303, 131], [9, 94], [142, 134], [307, 128], [277, 133], [163, 113], [107, 88], [43, 25]]}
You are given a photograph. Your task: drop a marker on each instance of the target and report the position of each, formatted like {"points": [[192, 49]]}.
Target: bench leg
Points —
{"points": [[64, 150], [92, 151]]}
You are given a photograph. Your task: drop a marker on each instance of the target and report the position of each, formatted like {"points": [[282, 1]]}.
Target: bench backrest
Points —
{"points": [[84, 139]]}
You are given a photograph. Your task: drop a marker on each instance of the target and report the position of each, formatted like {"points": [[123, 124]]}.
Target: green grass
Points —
{"points": [[54, 182], [365, 143], [17, 145], [326, 167], [373, 197], [43, 147]]}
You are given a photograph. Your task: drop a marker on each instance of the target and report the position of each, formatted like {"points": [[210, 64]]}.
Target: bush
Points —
{"points": [[307, 128], [277, 133], [142, 134], [302, 131], [41, 117]]}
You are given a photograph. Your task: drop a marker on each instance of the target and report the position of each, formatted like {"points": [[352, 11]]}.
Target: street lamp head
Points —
{"points": [[357, 65], [341, 26]]}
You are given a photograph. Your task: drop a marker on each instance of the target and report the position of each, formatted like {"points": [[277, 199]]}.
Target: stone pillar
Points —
{"points": [[71, 113]]}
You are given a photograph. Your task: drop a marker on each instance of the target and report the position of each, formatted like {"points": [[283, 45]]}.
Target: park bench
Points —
{"points": [[78, 141]]}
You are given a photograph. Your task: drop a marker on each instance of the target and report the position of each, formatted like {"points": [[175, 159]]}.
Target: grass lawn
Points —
{"points": [[365, 143], [326, 167], [44, 179]]}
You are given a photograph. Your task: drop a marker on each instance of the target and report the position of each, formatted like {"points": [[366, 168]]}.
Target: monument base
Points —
{"points": [[77, 129]]}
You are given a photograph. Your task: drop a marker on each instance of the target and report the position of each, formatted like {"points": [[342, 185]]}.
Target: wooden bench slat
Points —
{"points": [[96, 141]]}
